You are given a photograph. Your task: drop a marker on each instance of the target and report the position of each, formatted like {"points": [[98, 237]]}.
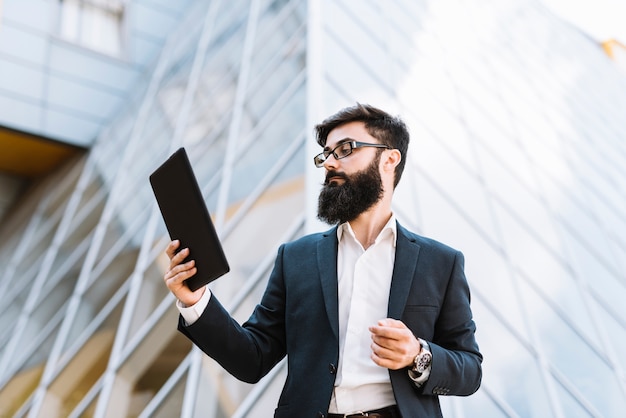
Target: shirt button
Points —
{"points": [[332, 368]]}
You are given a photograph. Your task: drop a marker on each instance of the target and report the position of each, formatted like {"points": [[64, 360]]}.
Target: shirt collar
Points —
{"points": [[389, 228]]}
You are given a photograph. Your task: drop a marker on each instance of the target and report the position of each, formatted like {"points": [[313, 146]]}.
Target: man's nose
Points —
{"points": [[331, 162]]}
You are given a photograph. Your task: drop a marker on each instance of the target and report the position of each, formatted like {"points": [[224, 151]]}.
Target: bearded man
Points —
{"points": [[374, 319]]}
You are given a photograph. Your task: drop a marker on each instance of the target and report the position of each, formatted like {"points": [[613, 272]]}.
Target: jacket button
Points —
{"points": [[332, 368], [321, 415]]}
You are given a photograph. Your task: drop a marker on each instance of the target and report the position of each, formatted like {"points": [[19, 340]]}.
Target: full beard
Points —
{"points": [[339, 203]]}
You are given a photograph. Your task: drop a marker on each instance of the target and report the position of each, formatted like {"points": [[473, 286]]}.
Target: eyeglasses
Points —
{"points": [[343, 150]]}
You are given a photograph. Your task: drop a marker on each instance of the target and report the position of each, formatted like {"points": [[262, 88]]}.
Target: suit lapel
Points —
{"points": [[327, 265], [407, 250]]}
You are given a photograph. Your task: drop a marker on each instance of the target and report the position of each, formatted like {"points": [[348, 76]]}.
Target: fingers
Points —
{"points": [[170, 250], [178, 271], [393, 344], [390, 328], [181, 272], [176, 258]]}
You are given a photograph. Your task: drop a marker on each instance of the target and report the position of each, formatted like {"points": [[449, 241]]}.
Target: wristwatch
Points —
{"points": [[422, 360]]}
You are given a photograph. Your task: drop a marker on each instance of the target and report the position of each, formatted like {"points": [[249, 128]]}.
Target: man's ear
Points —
{"points": [[391, 160]]}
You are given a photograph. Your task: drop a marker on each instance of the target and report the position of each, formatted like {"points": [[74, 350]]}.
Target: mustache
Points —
{"points": [[332, 174]]}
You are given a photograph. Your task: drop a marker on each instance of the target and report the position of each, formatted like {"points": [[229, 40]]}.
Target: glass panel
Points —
{"points": [[153, 378], [564, 349], [479, 404], [516, 360], [570, 406], [99, 293], [173, 403]]}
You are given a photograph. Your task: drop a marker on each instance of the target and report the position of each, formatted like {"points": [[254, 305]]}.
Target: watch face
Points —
{"points": [[423, 361]]}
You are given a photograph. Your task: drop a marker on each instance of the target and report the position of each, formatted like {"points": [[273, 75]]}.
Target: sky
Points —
{"points": [[601, 19]]}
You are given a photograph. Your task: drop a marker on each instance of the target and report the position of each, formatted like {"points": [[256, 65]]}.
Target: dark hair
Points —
{"points": [[389, 130]]}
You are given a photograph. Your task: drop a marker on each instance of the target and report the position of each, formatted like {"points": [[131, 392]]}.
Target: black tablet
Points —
{"points": [[187, 218]]}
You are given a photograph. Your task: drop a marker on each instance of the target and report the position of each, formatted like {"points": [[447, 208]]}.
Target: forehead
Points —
{"points": [[352, 130]]}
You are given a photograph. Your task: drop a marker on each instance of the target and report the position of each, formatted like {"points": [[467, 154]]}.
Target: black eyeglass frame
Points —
{"points": [[321, 158]]}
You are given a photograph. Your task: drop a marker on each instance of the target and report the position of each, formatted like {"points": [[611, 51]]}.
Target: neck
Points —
{"points": [[367, 226]]}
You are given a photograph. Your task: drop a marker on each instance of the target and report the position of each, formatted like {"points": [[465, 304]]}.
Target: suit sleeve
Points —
{"points": [[456, 365], [247, 351]]}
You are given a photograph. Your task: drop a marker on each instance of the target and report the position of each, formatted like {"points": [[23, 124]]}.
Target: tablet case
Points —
{"points": [[187, 218]]}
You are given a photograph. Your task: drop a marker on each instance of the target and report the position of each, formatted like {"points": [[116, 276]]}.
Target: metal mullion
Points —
{"points": [[44, 228], [32, 230], [574, 392], [92, 327], [87, 208], [117, 247], [20, 285], [500, 403], [68, 262], [144, 330], [560, 313], [192, 385], [25, 407], [5, 334], [599, 299], [156, 401], [610, 354], [235, 126], [126, 319], [259, 390], [27, 351], [79, 410]]}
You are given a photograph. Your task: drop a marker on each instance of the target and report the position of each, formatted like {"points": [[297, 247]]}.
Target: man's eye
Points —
{"points": [[344, 150]]}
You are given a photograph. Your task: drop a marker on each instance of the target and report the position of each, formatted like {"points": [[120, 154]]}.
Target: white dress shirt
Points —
{"points": [[364, 281]]}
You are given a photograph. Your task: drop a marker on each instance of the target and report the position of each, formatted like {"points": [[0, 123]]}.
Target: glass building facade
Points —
{"points": [[518, 159]]}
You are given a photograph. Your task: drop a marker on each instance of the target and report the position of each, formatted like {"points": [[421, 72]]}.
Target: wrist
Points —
{"points": [[422, 360], [191, 299]]}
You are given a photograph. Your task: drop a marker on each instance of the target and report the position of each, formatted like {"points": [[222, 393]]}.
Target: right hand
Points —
{"points": [[179, 272]]}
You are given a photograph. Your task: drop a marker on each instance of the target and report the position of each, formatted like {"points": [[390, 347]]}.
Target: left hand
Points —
{"points": [[393, 345]]}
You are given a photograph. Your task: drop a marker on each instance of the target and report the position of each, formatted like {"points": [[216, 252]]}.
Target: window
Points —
{"points": [[95, 24]]}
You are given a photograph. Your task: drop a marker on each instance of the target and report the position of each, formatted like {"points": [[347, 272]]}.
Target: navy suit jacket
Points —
{"points": [[298, 317]]}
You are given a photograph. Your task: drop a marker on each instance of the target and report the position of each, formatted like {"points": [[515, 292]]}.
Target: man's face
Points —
{"points": [[353, 184]]}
